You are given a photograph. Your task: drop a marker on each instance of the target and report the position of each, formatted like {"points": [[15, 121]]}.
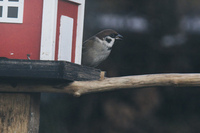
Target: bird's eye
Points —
{"points": [[113, 35], [108, 40]]}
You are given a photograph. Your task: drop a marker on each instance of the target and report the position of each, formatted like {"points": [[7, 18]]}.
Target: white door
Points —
{"points": [[65, 38]]}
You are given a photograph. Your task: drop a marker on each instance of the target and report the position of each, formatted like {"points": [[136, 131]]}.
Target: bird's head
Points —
{"points": [[108, 37]]}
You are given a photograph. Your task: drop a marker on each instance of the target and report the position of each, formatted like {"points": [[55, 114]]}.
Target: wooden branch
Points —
{"points": [[140, 81], [82, 87]]}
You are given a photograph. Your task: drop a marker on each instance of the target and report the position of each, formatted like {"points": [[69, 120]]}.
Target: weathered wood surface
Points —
{"points": [[83, 87], [37, 69], [19, 113], [34, 118]]}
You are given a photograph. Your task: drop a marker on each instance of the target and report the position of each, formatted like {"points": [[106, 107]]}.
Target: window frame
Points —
{"points": [[5, 4]]}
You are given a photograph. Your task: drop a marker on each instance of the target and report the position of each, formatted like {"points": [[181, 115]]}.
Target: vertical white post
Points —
{"points": [[49, 23], [79, 33]]}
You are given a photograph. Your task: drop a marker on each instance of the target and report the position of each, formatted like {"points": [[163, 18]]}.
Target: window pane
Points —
{"points": [[13, 0], [12, 12], [1, 8]]}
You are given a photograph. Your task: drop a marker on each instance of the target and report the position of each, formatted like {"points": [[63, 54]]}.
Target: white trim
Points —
{"points": [[5, 4], [79, 32], [78, 1], [48, 35], [65, 38]]}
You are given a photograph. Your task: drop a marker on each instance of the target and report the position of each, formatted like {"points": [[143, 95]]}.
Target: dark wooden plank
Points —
{"points": [[37, 69], [34, 119]]}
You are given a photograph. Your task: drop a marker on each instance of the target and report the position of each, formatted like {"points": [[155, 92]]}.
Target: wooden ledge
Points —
{"points": [[47, 70]]}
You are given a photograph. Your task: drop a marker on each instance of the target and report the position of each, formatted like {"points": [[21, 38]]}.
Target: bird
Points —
{"points": [[98, 47]]}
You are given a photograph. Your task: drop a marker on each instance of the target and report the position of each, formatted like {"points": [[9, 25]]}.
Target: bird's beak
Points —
{"points": [[119, 37]]}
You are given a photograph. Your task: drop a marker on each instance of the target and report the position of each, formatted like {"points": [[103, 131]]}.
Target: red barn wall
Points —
{"points": [[71, 10], [23, 39]]}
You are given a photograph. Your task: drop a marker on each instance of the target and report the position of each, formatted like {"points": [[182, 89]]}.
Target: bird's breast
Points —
{"points": [[95, 54]]}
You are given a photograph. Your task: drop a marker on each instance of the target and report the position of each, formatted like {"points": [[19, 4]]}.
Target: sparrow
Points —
{"points": [[98, 47]]}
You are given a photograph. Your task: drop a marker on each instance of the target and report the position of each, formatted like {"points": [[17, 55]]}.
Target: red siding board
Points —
{"points": [[23, 39], [71, 10]]}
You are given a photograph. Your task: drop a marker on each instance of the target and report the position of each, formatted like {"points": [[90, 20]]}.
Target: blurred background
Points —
{"points": [[160, 36]]}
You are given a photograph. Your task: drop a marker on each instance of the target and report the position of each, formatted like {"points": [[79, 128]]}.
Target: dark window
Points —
{"points": [[13, 0], [12, 12], [1, 11]]}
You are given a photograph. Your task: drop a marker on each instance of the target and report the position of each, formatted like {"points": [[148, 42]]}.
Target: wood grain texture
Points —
{"points": [[56, 70], [15, 113], [82, 87], [34, 119]]}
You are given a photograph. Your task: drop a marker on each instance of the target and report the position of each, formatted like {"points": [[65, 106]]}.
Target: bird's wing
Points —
{"points": [[88, 44]]}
